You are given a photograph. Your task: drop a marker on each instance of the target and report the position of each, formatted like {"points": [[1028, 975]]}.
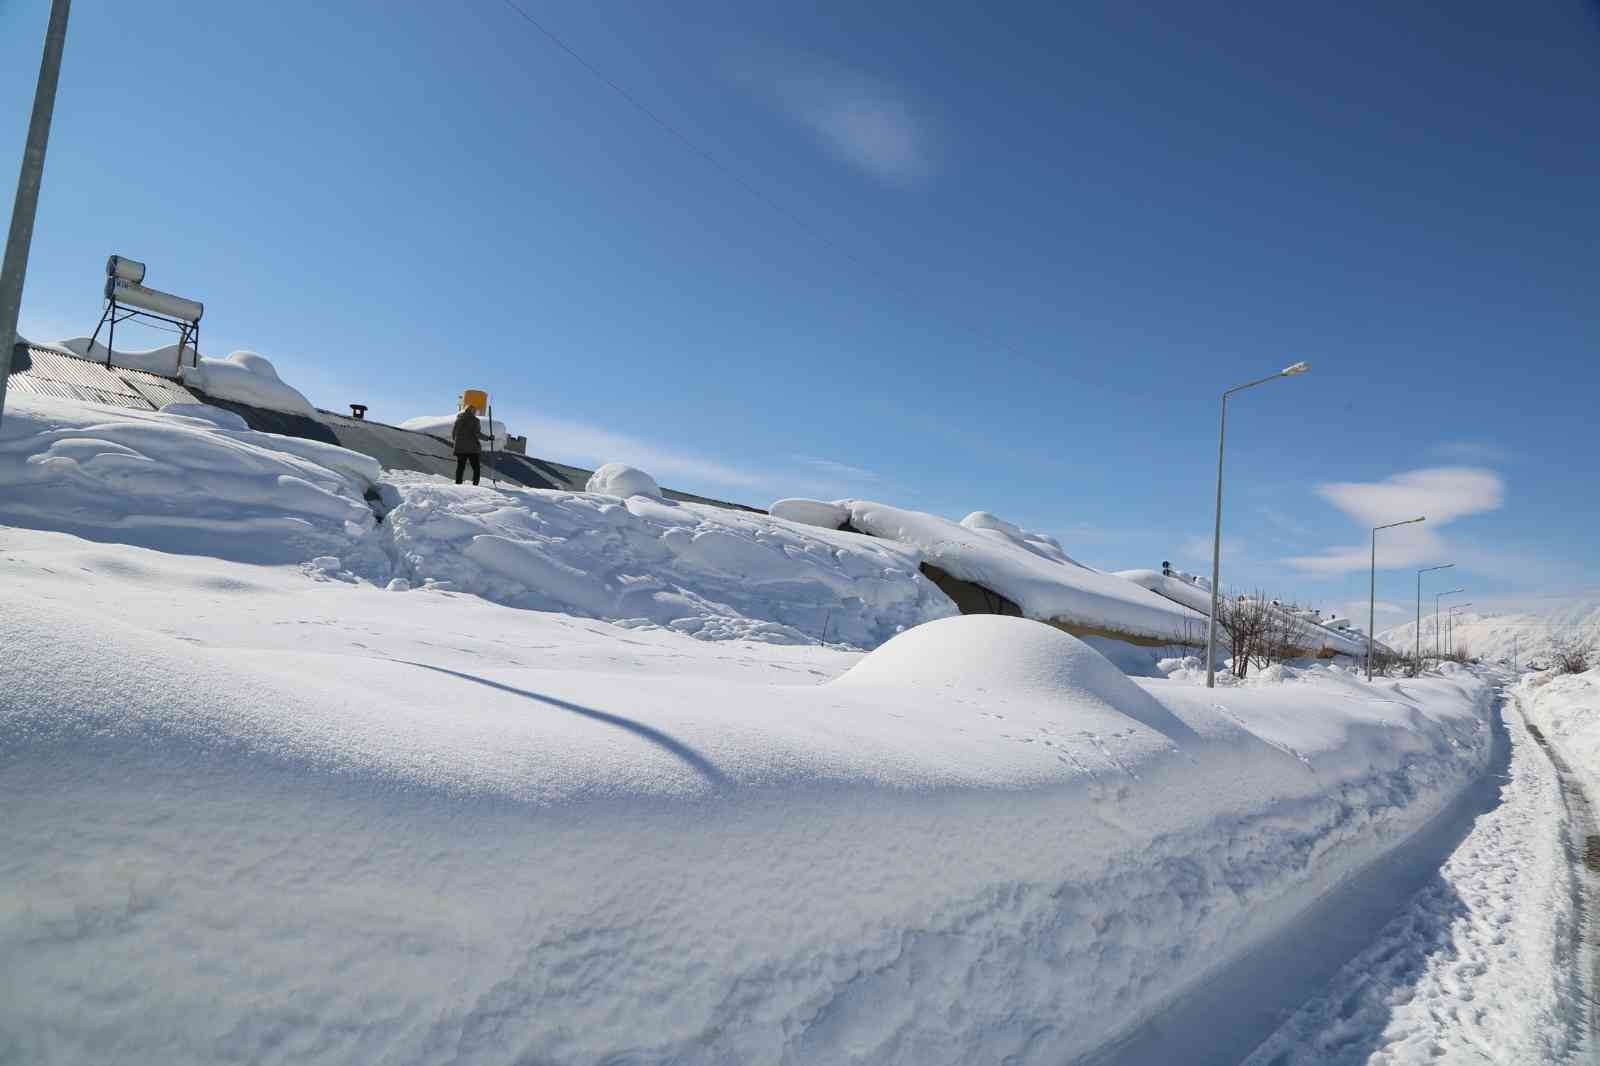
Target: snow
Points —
{"points": [[1189, 592], [248, 378], [620, 479], [163, 360], [206, 413], [1478, 967], [641, 561], [179, 483], [1029, 570], [1521, 634], [441, 426], [1567, 708], [271, 812], [529, 775], [1040, 544], [811, 512]]}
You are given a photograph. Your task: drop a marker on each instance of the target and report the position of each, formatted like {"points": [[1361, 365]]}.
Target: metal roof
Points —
{"points": [[68, 377]]}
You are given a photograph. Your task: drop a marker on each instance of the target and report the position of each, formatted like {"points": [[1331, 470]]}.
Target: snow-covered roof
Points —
{"points": [[1029, 569]]}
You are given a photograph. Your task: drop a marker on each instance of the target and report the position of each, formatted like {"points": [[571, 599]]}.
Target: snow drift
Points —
{"points": [[441, 426], [249, 378], [620, 479], [442, 830], [179, 483], [642, 561]]}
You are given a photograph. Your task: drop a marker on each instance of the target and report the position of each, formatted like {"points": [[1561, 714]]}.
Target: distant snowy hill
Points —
{"points": [[1494, 635]]}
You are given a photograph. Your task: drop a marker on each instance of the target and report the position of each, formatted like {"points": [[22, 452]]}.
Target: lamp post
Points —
{"points": [[1436, 598], [1216, 538], [1424, 570], [20, 237], [1450, 625], [1372, 586]]}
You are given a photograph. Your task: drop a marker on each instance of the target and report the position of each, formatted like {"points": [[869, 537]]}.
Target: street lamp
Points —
{"points": [[1450, 625], [1372, 587], [1216, 539], [1436, 598], [1424, 570]]}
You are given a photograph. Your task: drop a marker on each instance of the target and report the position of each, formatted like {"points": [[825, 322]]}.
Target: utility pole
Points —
{"points": [[20, 237]]}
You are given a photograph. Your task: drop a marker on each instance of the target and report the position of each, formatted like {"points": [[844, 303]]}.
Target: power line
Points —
{"points": [[749, 187]]}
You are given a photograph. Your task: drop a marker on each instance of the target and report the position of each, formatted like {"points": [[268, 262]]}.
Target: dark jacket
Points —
{"points": [[466, 433]]}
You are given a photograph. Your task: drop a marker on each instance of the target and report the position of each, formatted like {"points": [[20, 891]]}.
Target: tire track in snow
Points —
{"points": [[1583, 849]]}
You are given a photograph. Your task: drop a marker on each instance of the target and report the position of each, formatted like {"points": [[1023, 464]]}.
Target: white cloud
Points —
{"points": [[1441, 494], [843, 471], [864, 121], [578, 442]]}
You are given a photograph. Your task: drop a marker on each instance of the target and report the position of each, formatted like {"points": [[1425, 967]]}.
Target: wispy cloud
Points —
{"points": [[865, 121], [1473, 451], [1442, 494], [579, 442], [833, 468]]}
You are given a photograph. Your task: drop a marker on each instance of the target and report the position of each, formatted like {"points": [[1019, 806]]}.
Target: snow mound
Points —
{"points": [[810, 512], [246, 377], [983, 653], [620, 479], [206, 413], [977, 652], [1029, 571], [706, 571], [163, 360], [1041, 544], [178, 483], [441, 425]]}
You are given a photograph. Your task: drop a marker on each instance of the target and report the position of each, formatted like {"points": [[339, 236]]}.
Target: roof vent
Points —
{"points": [[358, 411]]}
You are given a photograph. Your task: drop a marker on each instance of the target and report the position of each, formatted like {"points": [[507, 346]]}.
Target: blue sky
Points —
{"points": [[949, 258]]}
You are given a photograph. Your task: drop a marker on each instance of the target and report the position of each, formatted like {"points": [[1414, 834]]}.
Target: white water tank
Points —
{"points": [[120, 266], [162, 303]]}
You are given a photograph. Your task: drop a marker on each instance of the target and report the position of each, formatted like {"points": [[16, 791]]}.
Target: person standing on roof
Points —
{"points": [[465, 435]]}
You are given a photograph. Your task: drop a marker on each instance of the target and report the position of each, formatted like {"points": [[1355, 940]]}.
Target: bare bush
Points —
{"points": [[1571, 654], [1247, 620]]}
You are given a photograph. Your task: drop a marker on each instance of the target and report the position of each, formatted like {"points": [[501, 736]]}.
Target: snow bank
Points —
{"points": [[441, 425], [642, 561], [178, 482], [1478, 965], [810, 512], [1028, 569], [163, 360], [619, 479], [447, 830], [246, 377], [1566, 707]]}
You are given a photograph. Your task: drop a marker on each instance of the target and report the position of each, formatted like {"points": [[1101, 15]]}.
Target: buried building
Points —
{"points": [[987, 565]]}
